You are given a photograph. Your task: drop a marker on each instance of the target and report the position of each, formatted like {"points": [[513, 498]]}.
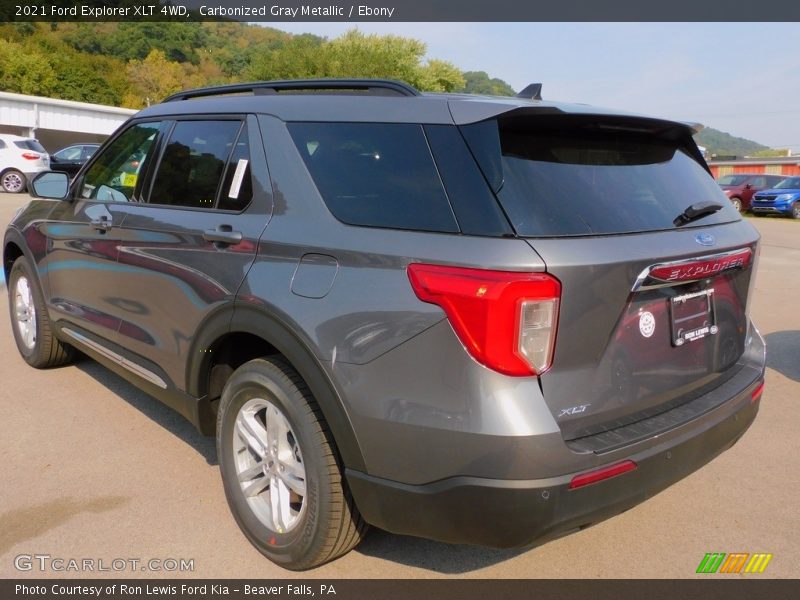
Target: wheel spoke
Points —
{"points": [[294, 477], [279, 502], [252, 433], [257, 486]]}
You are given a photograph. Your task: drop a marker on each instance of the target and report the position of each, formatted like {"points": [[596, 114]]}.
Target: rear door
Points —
{"points": [[190, 242], [653, 309]]}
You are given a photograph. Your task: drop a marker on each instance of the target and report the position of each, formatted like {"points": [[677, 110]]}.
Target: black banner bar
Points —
{"points": [[713, 588], [400, 10]]}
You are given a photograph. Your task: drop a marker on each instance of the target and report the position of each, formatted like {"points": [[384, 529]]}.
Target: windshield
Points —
{"points": [[789, 183], [732, 179], [555, 180]]}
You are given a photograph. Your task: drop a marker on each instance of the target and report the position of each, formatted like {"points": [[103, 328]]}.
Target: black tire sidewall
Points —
{"points": [[263, 378], [21, 268], [21, 175]]}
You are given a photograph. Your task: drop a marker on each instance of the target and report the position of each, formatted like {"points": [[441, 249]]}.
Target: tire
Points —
{"points": [[13, 182], [796, 210], [30, 322], [280, 468], [737, 204]]}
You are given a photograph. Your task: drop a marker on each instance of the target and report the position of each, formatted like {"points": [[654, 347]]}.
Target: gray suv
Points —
{"points": [[471, 319]]}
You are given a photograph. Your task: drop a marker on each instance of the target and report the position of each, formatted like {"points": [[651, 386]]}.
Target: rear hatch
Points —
{"points": [[653, 305], [34, 154]]}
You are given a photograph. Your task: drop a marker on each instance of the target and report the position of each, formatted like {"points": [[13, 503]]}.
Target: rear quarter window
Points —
{"points": [[375, 174]]}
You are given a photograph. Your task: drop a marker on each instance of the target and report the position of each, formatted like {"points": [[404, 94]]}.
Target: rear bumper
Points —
{"points": [[514, 513]]}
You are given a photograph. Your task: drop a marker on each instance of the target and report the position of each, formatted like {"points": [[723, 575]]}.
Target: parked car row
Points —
{"points": [[763, 194], [21, 158]]}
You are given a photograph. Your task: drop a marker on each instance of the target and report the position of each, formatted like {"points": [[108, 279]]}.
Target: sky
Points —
{"points": [[740, 78]]}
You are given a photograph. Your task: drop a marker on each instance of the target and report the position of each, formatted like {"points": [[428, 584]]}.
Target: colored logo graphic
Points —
{"points": [[735, 562]]}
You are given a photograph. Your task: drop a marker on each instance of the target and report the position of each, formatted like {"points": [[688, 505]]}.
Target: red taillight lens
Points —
{"points": [[506, 320], [756, 395], [601, 474], [30, 156]]}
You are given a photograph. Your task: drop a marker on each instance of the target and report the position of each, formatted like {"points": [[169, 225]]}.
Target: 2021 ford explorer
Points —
{"points": [[472, 319]]}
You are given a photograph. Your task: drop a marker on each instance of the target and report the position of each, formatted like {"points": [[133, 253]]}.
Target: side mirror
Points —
{"points": [[50, 184], [748, 186]]}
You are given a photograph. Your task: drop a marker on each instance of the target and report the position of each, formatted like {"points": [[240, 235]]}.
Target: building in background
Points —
{"points": [[784, 165], [58, 123]]}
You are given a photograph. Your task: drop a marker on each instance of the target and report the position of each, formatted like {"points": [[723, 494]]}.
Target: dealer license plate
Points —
{"points": [[692, 317]]}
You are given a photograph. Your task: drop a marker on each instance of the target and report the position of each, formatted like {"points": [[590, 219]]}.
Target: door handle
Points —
{"points": [[223, 234], [102, 223]]}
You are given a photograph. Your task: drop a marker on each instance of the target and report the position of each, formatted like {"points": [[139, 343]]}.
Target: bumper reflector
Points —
{"points": [[756, 395], [601, 474]]}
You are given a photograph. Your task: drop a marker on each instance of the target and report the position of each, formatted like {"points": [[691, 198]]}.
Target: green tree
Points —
{"points": [[25, 70], [479, 82], [152, 79], [440, 76]]}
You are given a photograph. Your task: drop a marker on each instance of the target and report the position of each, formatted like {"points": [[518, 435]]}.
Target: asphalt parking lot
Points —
{"points": [[94, 469]]}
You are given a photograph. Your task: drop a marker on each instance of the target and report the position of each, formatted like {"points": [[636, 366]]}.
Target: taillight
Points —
{"points": [[30, 156], [506, 320]]}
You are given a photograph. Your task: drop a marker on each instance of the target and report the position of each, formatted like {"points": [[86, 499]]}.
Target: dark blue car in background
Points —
{"points": [[783, 199]]}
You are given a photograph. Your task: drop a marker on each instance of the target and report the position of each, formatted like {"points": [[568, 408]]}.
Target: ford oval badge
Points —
{"points": [[705, 239]]}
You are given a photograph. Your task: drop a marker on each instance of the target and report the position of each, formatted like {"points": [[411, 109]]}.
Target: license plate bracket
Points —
{"points": [[692, 317]]}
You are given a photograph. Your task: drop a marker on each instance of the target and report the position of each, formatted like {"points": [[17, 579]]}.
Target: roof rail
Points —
{"points": [[372, 87], [532, 92]]}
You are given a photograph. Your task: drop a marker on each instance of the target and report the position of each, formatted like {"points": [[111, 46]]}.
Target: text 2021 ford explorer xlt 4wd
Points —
{"points": [[472, 319]]}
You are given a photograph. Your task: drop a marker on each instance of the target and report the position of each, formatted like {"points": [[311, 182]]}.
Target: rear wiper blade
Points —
{"points": [[696, 211]]}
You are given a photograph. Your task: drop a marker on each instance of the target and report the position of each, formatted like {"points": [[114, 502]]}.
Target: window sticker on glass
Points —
{"points": [[236, 184], [129, 179]]}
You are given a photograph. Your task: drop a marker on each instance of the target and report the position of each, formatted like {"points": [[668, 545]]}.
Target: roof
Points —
{"points": [[367, 100]]}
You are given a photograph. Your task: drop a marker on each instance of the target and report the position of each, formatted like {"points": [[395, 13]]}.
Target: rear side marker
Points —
{"points": [[601, 474], [756, 395]]}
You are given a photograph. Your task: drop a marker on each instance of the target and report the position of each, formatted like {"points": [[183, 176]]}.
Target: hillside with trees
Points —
{"points": [[720, 143], [137, 64]]}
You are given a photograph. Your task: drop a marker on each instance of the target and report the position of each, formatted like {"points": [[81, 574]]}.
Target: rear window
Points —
{"points": [[33, 145], [375, 174], [554, 180]]}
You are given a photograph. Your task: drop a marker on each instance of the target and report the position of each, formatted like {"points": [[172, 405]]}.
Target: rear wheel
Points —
{"points": [[280, 470], [33, 334], [12, 181], [737, 203]]}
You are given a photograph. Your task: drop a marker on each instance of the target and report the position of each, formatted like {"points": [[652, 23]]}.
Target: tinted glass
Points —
{"points": [[732, 179], [2, 145], [558, 182], [789, 183], [33, 145], [114, 176], [88, 151], [191, 167], [71, 153], [758, 182], [237, 186], [373, 174]]}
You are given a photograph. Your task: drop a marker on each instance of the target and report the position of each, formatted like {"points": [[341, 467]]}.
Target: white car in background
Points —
{"points": [[20, 159]]}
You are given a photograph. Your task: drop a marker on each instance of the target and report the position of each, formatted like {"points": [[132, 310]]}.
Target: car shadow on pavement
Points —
{"points": [[152, 408], [448, 559], [783, 353]]}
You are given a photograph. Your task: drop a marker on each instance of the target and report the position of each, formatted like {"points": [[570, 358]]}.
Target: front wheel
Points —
{"points": [[796, 210], [33, 332], [737, 204], [279, 468], [13, 182]]}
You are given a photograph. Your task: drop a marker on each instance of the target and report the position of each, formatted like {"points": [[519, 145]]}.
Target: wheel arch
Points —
{"points": [[235, 335]]}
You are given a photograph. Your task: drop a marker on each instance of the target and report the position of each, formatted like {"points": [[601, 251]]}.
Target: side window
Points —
{"points": [[237, 186], [758, 182], [114, 176], [192, 165], [88, 151], [375, 174], [71, 153], [2, 145]]}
